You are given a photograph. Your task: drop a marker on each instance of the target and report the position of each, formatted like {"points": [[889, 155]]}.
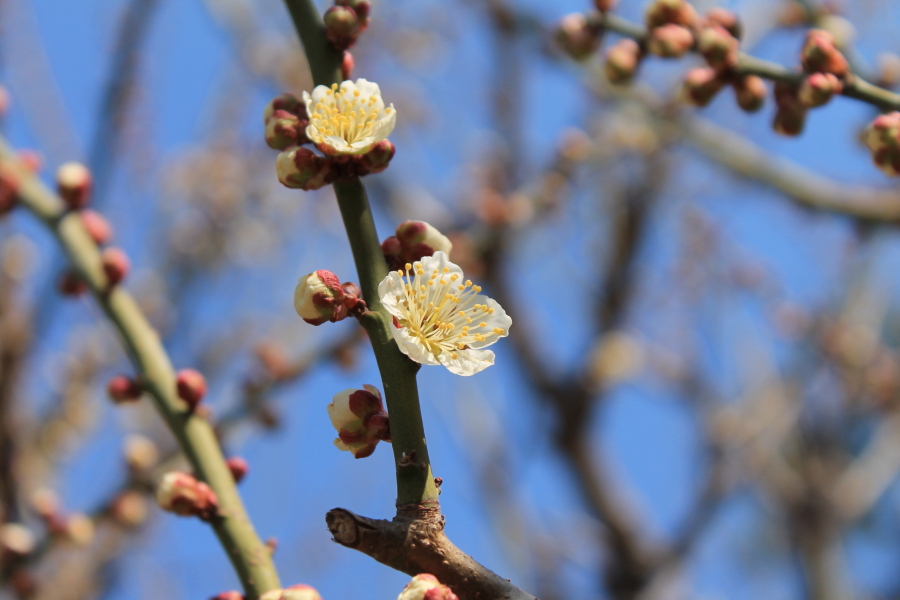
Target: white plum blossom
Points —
{"points": [[441, 318], [348, 119]]}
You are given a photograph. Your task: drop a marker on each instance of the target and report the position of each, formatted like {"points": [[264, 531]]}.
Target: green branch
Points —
{"points": [[250, 557]]}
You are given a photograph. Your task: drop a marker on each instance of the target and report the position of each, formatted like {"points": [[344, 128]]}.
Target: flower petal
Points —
{"points": [[467, 362], [412, 347]]}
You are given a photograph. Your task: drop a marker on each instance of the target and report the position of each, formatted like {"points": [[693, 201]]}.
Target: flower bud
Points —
{"points": [[300, 592], [285, 104], [96, 225], [79, 529], [115, 264], [392, 249], [184, 495], [360, 420], [16, 540], [347, 65], [301, 168], [420, 235], [191, 386], [342, 26], [819, 54], [378, 158], [426, 587], [725, 18], [670, 41], [319, 297], [141, 453], [577, 38], [677, 12], [750, 92], [718, 47], [362, 8], [122, 388], [622, 60], [238, 467], [884, 132], [9, 192], [888, 160], [352, 295], [71, 284], [818, 89], [229, 596], [129, 509], [284, 130], [789, 120], [73, 181], [700, 86], [605, 5]]}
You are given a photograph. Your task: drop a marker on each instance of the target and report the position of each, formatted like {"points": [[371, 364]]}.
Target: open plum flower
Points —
{"points": [[441, 318], [348, 119]]}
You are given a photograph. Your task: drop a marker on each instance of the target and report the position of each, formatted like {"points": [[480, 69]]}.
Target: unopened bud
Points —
{"points": [[819, 54], [129, 509], [228, 596], [419, 239], [184, 495], [718, 47], [725, 18], [285, 130], [79, 529], [360, 420], [115, 265], [426, 587], [352, 295], [362, 8], [818, 89], [300, 592], [670, 41], [141, 453], [238, 467], [16, 540], [577, 38], [342, 26], [73, 181], [96, 225], [378, 158], [71, 284], [347, 65], [677, 12], [750, 92], [789, 120], [191, 386], [319, 297], [622, 60], [884, 132], [122, 388], [301, 168], [700, 86]]}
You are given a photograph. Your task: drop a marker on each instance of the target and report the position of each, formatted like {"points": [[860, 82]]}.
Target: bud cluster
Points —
{"points": [[184, 495], [883, 139], [360, 420], [413, 241], [425, 586], [345, 21], [321, 297]]}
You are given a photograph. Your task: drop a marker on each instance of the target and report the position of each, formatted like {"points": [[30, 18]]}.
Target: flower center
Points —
{"points": [[347, 114], [441, 312]]}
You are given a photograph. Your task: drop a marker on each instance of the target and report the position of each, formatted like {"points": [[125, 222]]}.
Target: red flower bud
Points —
{"points": [[299, 167], [789, 120], [184, 495], [818, 89], [622, 60], [362, 8], [96, 225], [73, 181], [347, 64], [700, 86], [378, 158], [238, 467], [750, 92], [718, 47], [342, 26], [820, 55], [228, 596], [676, 12], [319, 297], [191, 386], [115, 264], [577, 38], [122, 388], [670, 41], [725, 18]]}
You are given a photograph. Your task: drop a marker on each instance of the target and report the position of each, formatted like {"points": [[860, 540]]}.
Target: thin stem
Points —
{"points": [[324, 60], [854, 86], [250, 557]]}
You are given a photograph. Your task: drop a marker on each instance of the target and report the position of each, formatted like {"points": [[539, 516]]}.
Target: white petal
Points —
{"points": [[384, 125], [412, 347], [339, 409], [438, 261], [313, 133], [498, 319], [388, 290], [467, 362]]}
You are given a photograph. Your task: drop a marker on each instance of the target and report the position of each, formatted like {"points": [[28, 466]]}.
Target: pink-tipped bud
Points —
{"points": [[129, 509], [426, 587], [231, 595], [718, 47], [622, 60], [670, 41], [605, 5], [239, 468], [9, 192], [352, 296], [71, 284], [700, 86], [819, 54], [319, 297], [789, 120], [818, 89], [191, 386], [577, 38], [16, 540], [750, 92], [378, 158], [347, 65], [301, 168], [676, 12], [342, 26], [360, 420], [285, 103], [184, 495], [362, 8], [300, 592], [884, 132], [419, 239], [725, 18], [115, 265], [73, 181], [285, 130], [96, 225], [122, 389]]}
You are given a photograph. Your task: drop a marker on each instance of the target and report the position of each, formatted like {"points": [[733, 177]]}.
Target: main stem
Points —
{"points": [[251, 558], [415, 480]]}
